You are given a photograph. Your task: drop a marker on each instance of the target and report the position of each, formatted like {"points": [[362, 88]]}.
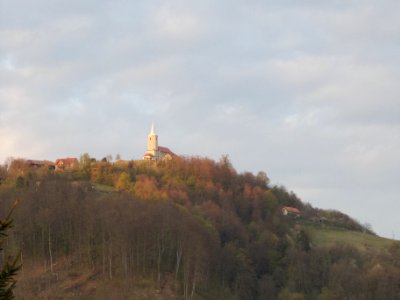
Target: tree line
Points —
{"points": [[216, 232]]}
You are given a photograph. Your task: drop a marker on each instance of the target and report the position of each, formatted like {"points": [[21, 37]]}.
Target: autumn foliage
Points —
{"points": [[192, 225]]}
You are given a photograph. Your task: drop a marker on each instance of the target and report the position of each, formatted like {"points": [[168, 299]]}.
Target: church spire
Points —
{"points": [[152, 142]]}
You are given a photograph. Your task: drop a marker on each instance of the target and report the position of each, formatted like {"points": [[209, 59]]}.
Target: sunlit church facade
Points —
{"points": [[154, 151]]}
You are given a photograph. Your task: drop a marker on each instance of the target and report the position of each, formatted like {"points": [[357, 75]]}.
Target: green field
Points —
{"points": [[322, 235]]}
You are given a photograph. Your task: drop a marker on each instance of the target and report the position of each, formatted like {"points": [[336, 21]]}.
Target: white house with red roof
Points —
{"points": [[68, 163], [155, 152], [292, 211]]}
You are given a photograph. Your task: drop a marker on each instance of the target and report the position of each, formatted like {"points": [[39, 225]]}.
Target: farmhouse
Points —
{"points": [[63, 164], [290, 211], [32, 163]]}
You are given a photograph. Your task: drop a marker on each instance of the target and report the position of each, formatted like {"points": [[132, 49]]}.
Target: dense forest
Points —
{"points": [[190, 228]]}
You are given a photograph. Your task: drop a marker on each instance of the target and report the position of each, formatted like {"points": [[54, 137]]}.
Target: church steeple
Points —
{"points": [[155, 152], [152, 142]]}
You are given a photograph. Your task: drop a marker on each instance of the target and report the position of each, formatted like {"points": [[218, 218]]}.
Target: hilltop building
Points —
{"points": [[32, 163], [290, 211], [64, 164], [154, 151]]}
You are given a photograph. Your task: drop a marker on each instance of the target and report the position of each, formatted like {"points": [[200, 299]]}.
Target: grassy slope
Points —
{"points": [[322, 235]]}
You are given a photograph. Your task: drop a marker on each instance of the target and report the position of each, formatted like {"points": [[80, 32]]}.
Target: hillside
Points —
{"points": [[327, 236], [189, 228]]}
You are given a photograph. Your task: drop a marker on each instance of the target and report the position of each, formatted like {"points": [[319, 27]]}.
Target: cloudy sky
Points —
{"points": [[307, 91]]}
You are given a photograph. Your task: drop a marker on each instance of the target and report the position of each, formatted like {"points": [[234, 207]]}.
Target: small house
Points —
{"points": [[290, 211], [40, 163], [68, 163]]}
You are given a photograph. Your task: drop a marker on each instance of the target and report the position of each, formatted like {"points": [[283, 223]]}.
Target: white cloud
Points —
{"points": [[171, 24], [8, 139], [308, 92], [7, 64], [307, 119]]}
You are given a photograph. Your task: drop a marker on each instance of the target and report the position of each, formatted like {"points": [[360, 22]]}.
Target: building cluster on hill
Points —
{"points": [[154, 153], [60, 164]]}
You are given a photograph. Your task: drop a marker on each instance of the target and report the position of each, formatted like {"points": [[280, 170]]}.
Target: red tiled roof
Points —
{"points": [[166, 150], [33, 162], [292, 210], [48, 163], [67, 161]]}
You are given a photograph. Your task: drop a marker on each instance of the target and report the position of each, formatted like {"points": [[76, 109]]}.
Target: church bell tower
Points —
{"points": [[152, 142]]}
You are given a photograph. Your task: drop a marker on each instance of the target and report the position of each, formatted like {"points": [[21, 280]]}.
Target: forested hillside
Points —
{"points": [[190, 228]]}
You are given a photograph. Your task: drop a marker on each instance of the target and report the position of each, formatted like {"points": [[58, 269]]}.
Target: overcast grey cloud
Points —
{"points": [[304, 90]]}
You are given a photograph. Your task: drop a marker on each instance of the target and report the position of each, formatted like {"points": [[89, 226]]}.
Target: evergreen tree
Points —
{"points": [[10, 267]]}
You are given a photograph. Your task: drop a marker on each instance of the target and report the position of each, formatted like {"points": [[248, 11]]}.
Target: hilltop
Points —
{"points": [[185, 228]]}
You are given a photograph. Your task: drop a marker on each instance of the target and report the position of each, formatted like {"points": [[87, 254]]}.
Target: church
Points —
{"points": [[155, 152]]}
